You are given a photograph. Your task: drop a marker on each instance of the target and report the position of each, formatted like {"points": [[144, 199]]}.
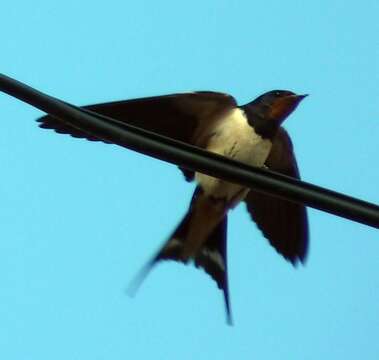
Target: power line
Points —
{"points": [[194, 158]]}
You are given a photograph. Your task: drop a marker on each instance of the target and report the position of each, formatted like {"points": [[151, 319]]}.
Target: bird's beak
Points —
{"points": [[301, 97], [285, 105], [294, 99]]}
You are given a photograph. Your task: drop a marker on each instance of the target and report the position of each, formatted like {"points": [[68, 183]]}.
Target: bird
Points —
{"points": [[252, 134]]}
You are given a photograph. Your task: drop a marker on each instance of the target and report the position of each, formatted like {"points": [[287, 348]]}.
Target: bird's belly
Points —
{"points": [[235, 139]]}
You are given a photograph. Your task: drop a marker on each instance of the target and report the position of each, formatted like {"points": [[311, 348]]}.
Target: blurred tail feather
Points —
{"points": [[209, 254]]}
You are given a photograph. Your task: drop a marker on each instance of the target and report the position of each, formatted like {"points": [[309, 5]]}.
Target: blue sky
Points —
{"points": [[79, 219]]}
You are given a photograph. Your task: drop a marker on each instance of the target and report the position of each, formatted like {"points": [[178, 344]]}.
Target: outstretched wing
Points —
{"points": [[282, 222], [183, 117]]}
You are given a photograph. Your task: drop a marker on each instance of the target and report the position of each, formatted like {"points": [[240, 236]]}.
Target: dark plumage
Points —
{"points": [[252, 134]]}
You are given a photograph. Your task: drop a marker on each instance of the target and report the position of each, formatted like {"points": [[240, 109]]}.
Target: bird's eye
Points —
{"points": [[278, 93]]}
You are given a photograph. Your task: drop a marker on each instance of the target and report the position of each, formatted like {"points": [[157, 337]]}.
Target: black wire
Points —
{"points": [[194, 158]]}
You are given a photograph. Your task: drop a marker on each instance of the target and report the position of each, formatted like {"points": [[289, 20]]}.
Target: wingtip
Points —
{"points": [[296, 260], [41, 119]]}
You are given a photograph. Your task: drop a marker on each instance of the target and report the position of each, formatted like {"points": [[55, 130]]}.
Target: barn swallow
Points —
{"points": [[251, 134]]}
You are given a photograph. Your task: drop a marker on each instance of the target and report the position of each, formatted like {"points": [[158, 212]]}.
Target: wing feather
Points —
{"points": [[282, 222], [178, 116]]}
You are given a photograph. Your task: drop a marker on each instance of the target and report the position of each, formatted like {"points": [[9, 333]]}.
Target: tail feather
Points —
{"points": [[211, 256]]}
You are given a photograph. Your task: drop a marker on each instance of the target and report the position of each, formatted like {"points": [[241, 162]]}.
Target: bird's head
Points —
{"points": [[278, 104], [271, 108]]}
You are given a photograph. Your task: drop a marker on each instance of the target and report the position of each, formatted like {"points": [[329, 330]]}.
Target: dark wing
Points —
{"points": [[283, 223], [179, 116]]}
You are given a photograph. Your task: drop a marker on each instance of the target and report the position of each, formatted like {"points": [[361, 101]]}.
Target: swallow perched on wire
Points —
{"points": [[251, 134]]}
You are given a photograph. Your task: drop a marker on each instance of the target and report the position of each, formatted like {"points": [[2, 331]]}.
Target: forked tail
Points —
{"points": [[211, 255]]}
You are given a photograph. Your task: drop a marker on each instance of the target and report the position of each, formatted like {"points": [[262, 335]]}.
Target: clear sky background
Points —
{"points": [[79, 219]]}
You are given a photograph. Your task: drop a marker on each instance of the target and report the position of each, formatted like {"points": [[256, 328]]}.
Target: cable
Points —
{"points": [[194, 158]]}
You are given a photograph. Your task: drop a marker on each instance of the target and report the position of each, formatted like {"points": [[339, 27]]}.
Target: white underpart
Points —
{"points": [[236, 139], [213, 255]]}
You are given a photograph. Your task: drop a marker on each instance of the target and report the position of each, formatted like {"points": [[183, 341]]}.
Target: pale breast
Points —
{"points": [[234, 138]]}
